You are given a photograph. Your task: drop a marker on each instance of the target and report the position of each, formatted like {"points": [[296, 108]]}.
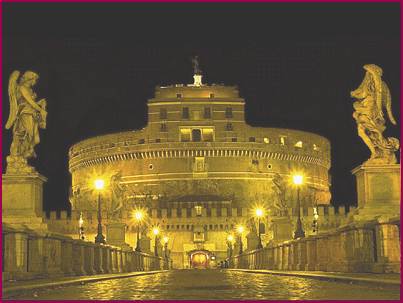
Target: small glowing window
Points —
{"points": [[282, 140], [198, 210], [266, 140], [298, 144], [208, 134], [185, 134], [315, 147]]}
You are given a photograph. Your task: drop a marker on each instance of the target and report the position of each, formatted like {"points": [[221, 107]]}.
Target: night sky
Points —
{"points": [[295, 64]]}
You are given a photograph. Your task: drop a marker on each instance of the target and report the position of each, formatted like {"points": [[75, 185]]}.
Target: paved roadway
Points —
{"points": [[217, 284]]}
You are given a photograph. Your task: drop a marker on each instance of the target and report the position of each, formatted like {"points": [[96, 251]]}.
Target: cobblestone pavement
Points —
{"points": [[215, 285]]}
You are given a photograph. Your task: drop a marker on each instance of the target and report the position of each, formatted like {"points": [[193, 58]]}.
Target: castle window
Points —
{"points": [[163, 127], [298, 144], [207, 113], [229, 127], [142, 141], [163, 113], [185, 113], [208, 212], [269, 166], [196, 135], [208, 134], [282, 140], [266, 140], [228, 112], [252, 139], [211, 95], [185, 134], [150, 167], [255, 162], [315, 147], [178, 95], [198, 210], [235, 139], [157, 140]]}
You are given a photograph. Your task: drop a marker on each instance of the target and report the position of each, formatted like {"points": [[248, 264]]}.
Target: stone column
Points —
{"points": [[387, 248], [53, 255], [98, 259], [37, 263], [301, 254], [311, 253], [285, 256], [67, 257], [322, 253], [15, 254], [270, 258], [78, 258], [106, 259], [89, 258]]}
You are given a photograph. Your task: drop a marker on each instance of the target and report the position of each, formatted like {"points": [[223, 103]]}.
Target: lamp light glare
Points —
{"points": [[259, 212], [298, 179], [99, 184]]}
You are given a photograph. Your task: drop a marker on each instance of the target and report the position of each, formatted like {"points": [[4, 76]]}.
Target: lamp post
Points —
{"points": [[240, 230], [315, 225], [165, 239], [99, 186], [259, 214], [138, 215], [299, 231], [156, 231], [230, 240], [81, 227]]}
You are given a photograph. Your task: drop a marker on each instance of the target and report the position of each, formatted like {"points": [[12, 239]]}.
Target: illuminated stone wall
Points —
{"points": [[197, 149], [234, 162]]}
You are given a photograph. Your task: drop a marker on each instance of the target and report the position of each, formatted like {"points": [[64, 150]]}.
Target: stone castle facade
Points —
{"points": [[199, 169]]}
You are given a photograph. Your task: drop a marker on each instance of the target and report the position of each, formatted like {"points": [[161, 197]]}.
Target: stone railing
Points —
{"points": [[358, 247], [29, 254]]}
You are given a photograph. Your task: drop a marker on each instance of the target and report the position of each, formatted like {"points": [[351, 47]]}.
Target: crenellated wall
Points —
{"points": [[29, 254], [372, 246]]}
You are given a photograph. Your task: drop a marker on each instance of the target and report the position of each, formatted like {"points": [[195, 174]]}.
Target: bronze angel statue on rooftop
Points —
{"points": [[26, 117], [372, 98]]}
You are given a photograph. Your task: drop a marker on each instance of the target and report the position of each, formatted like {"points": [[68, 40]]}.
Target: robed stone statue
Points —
{"points": [[27, 116], [372, 99]]}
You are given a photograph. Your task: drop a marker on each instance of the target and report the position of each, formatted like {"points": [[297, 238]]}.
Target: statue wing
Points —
{"points": [[12, 93], [387, 102]]}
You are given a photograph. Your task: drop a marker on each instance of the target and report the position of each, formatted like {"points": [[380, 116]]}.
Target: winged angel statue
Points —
{"points": [[26, 117], [372, 97]]}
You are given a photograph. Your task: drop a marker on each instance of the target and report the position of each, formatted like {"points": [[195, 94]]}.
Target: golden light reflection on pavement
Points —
{"points": [[216, 285]]}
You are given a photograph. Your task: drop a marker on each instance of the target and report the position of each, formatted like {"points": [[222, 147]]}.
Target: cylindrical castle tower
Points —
{"points": [[198, 149]]}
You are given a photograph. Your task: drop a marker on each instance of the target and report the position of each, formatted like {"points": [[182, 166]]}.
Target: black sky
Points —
{"points": [[295, 65]]}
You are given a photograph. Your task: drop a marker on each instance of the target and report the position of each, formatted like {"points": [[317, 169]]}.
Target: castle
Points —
{"points": [[198, 170]]}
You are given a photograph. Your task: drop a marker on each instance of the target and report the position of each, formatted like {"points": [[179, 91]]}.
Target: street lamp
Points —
{"points": [[165, 239], [81, 227], [138, 215], [240, 230], [259, 213], [230, 240], [298, 180], [156, 231], [99, 186], [315, 224]]}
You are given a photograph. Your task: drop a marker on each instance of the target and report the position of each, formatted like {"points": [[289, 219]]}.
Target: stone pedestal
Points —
{"points": [[252, 241], [282, 229], [116, 235], [145, 244], [378, 189], [22, 202]]}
